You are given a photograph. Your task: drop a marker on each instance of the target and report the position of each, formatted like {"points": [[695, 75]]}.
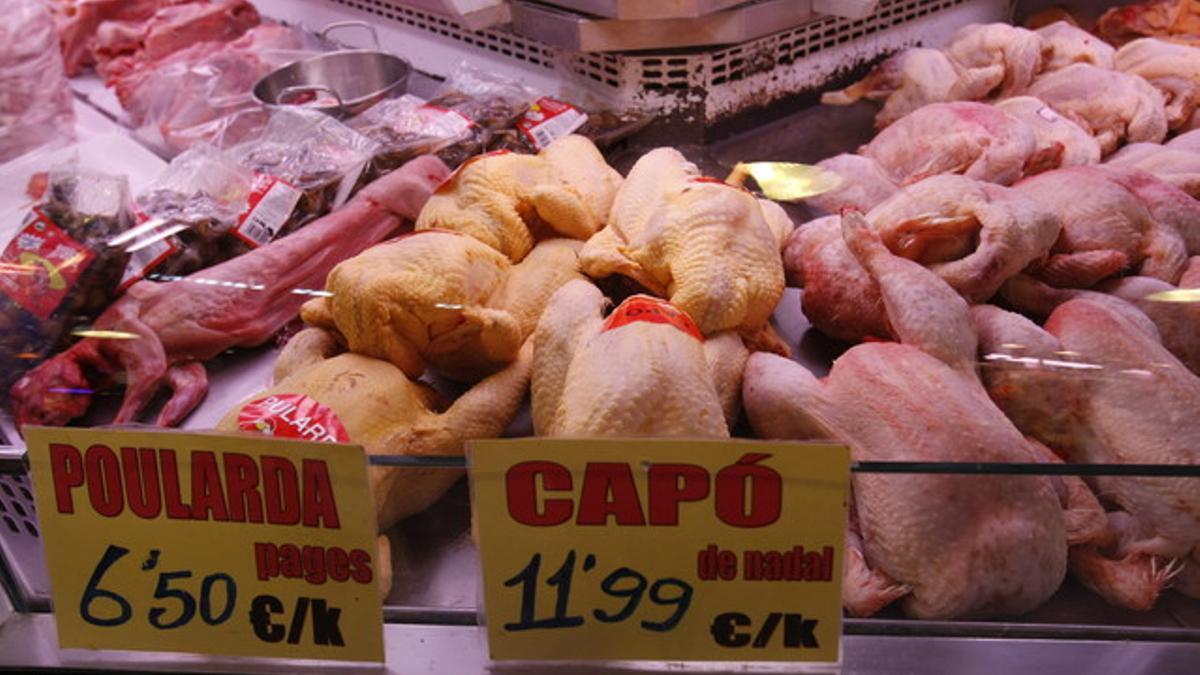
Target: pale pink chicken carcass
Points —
{"points": [[1060, 142], [1112, 219], [1177, 167], [1130, 109], [972, 139], [973, 235], [948, 546], [1129, 401], [1064, 44], [904, 82], [864, 184], [240, 303], [1189, 141], [995, 60], [1173, 69]]}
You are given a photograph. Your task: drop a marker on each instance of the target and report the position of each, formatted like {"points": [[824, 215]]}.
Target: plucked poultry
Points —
{"points": [[1189, 141], [1175, 20], [973, 235], [1178, 323], [1173, 69], [904, 82], [508, 200], [948, 546], [709, 247], [443, 298], [645, 370], [1060, 142], [972, 139], [1177, 167], [1064, 44], [1135, 405], [1126, 222], [996, 60], [358, 399], [864, 183], [241, 302], [1130, 109]]}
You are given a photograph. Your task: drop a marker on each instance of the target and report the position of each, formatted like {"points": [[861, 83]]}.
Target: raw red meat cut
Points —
{"points": [[239, 303]]}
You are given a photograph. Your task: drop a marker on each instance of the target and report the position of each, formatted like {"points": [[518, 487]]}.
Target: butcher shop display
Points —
{"points": [[35, 98], [1004, 267]]}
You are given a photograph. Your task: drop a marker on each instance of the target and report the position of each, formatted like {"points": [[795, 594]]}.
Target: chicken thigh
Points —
{"points": [[1060, 142], [644, 371], [972, 139], [1130, 109], [507, 200], [1173, 69], [442, 298], [711, 248], [950, 546]]}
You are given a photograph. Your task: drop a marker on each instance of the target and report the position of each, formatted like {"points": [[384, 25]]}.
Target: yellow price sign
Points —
{"points": [[671, 550], [208, 543]]}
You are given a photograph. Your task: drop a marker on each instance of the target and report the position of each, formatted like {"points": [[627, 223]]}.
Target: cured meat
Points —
{"points": [[241, 302]]}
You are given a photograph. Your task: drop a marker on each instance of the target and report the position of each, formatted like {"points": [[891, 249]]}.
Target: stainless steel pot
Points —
{"points": [[355, 79]]}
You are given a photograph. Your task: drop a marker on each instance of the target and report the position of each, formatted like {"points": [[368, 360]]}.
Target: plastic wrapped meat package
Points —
{"points": [[203, 93], [306, 164], [186, 216], [35, 100], [492, 103], [406, 127], [60, 271]]}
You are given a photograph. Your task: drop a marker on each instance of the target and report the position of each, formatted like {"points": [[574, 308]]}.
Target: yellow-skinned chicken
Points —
{"points": [[711, 248], [508, 200], [440, 298]]}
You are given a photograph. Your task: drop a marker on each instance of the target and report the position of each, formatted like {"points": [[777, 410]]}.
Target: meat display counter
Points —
{"points": [[909, 372]]}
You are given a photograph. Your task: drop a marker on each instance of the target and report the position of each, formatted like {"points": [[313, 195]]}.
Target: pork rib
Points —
{"points": [[239, 303]]}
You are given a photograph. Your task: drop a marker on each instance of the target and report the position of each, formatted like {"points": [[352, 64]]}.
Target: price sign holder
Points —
{"points": [[661, 550], [208, 544]]}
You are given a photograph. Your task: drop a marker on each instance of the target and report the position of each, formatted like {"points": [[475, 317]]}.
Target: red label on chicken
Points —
{"points": [[268, 208], [651, 310], [548, 120], [454, 174], [41, 264], [292, 416]]}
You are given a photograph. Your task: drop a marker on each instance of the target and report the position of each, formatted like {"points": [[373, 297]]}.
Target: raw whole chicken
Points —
{"points": [[508, 200], [972, 139], [996, 60], [241, 302], [358, 399], [1130, 109], [442, 298], [1173, 69], [1178, 323], [645, 370], [1129, 220], [1064, 44], [1060, 142], [973, 235], [709, 247], [949, 546], [863, 184], [904, 82], [1175, 20], [1177, 167], [1137, 407], [1189, 141]]}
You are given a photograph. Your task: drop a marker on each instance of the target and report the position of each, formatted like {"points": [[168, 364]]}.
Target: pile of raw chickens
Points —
{"points": [[500, 286]]}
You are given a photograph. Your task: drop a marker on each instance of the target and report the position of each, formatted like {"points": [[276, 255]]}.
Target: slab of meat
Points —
{"points": [[1131, 109], [948, 546], [1174, 166], [1173, 69], [124, 46], [242, 302], [973, 139], [79, 20], [1060, 142]]}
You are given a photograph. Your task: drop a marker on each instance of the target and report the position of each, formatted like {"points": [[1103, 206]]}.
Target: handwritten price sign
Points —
{"points": [[206, 543], [673, 550]]}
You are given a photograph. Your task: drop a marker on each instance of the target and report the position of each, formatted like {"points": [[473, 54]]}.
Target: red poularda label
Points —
{"points": [[548, 120], [652, 310], [445, 185], [268, 208], [292, 416], [41, 265]]}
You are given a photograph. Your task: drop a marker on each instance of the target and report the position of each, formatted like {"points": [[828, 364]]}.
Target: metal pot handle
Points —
{"points": [[329, 28], [289, 92]]}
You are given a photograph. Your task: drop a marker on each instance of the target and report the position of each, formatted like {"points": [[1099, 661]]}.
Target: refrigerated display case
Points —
{"points": [[750, 94]]}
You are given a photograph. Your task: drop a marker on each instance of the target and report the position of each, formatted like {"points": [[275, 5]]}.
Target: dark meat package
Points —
{"points": [[489, 102], [406, 127], [307, 164], [60, 269], [549, 119], [186, 217]]}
